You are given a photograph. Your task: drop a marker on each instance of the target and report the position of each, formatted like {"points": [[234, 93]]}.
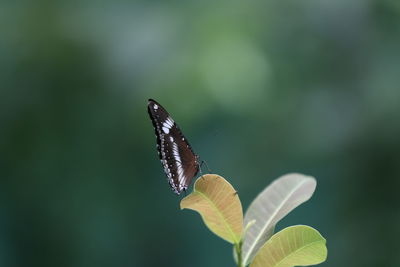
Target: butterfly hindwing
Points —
{"points": [[177, 157]]}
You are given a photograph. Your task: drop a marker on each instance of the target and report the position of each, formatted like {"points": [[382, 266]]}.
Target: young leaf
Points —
{"points": [[270, 206], [298, 245], [219, 206]]}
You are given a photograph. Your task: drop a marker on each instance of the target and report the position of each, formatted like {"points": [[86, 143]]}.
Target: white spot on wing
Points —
{"points": [[179, 167], [168, 123], [165, 129], [155, 106]]}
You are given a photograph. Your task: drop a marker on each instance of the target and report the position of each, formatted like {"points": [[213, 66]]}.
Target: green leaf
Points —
{"points": [[298, 245], [219, 206], [270, 206]]}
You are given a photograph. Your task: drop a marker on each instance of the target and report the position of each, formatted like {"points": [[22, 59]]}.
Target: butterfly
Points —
{"points": [[179, 161]]}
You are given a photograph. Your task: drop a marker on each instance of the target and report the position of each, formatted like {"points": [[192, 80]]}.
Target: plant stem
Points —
{"points": [[238, 249]]}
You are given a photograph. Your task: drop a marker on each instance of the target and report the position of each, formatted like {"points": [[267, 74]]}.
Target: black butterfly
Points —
{"points": [[180, 163]]}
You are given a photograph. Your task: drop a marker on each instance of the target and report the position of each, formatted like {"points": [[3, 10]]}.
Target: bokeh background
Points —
{"points": [[260, 88]]}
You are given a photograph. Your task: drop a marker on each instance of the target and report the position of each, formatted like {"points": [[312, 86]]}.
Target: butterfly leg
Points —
{"points": [[201, 173], [204, 162]]}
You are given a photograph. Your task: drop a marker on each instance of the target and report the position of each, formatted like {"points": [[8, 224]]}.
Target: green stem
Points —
{"points": [[238, 249]]}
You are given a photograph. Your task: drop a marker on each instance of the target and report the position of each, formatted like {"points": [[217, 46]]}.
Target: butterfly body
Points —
{"points": [[179, 161]]}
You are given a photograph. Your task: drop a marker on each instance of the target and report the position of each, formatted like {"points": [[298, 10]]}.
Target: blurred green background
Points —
{"points": [[260, 88]]}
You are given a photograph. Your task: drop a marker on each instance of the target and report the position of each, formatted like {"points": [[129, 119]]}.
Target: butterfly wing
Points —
{"points": [[179, 161]]}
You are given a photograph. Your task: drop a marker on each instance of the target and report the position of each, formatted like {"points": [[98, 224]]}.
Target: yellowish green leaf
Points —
{"points": [[219, 206], [270, 206], [298, 245]]}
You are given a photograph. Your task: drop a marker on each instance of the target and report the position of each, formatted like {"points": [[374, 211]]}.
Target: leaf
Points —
{"points": [[219, 206], [270, 206], [298, 245]]}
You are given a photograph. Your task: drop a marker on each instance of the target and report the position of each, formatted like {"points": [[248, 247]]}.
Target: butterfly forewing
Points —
{"points": [[179, 161]]}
